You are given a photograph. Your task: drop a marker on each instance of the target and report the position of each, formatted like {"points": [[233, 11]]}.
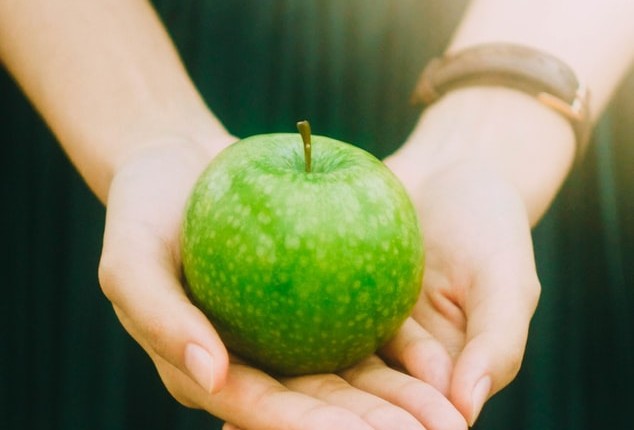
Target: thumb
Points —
{"points": [[139, 277], [497, 331]]}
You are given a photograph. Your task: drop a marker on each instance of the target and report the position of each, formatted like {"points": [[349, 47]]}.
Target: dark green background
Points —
{"points": [[65, 363]]}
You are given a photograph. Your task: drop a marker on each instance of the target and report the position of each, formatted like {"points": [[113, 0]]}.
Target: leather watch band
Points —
{"points": [[519, 67]]}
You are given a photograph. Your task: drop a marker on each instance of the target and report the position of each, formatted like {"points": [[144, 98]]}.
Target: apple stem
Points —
{"points": [[304, 131]]}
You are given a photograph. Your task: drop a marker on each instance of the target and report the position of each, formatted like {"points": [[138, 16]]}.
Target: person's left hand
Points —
{"points": [[468, 332]]}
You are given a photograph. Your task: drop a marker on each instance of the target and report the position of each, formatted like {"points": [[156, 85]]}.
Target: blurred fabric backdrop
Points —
{"points": [[348, 66]]}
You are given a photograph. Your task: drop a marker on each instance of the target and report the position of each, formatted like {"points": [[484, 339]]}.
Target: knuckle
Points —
{"points": [[327, 385], [114, 279], [114, 273], [513, 363], [529, 294], [357, 373], [506, 361], [534, 293], [108, 276], [154, 330]]}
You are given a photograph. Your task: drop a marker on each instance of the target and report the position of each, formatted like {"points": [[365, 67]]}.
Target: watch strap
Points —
{"points": [[532, 71]]}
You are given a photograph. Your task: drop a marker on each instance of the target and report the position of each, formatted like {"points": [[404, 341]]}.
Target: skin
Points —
{"points": [[471, 167], [135, 127]]}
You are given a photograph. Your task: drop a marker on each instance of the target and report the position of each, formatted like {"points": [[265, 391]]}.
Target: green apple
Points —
{"points": [[306, 258]]}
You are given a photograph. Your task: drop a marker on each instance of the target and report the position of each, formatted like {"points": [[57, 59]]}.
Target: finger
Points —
{"points": [[138, 276], [255, 401], [229, 426], [424, 402], [334, 390], [417, 351], [439, 308], [496, 339], [179, 384]]}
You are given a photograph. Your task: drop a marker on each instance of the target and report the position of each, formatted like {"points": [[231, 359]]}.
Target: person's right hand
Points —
{"points": [[140, 273]]}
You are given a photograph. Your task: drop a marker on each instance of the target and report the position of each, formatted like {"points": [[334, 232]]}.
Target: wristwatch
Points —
{"points": [[523, 68]]}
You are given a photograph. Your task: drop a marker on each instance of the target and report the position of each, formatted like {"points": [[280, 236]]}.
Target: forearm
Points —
{"points": [[510, 133], [593, 37], [105, 77]]}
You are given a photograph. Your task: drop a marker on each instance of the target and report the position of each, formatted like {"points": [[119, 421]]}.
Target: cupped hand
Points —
{"points": [[140, 273], [468, 331]]}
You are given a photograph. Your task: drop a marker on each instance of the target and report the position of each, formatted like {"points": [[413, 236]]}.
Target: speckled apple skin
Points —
{"points": [[301, 272]]}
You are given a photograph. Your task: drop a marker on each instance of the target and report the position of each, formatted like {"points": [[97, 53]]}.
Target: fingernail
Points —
{"points": [[200, 366], [479, 395]]}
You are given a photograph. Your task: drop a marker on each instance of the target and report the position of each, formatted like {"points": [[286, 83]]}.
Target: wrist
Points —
{"points": [[504, 131], [198, 137]]}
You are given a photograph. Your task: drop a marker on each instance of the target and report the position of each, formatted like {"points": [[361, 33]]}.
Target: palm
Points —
{"points": [[141, 275], [480, 286]]}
